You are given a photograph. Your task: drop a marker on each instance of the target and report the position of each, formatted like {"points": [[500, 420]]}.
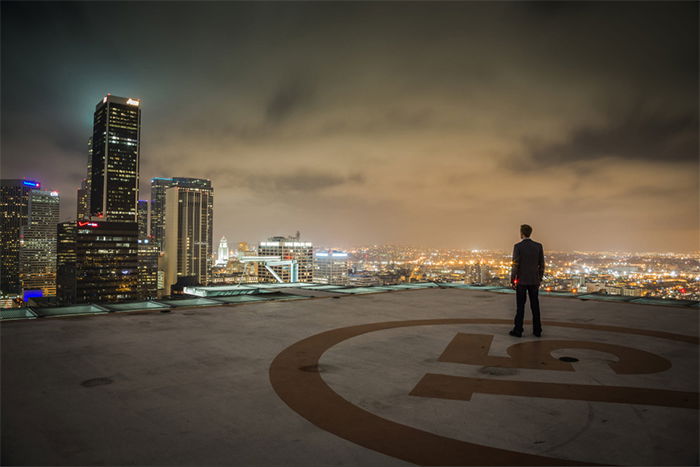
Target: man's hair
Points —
{"points": [[526, 230]]}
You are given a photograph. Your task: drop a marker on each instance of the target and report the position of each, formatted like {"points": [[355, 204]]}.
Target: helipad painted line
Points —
{"points": [[462, 388], [309, 395]]}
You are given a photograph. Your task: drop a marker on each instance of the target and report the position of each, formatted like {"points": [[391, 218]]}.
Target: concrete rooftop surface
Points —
{"points": [[426, 377]]}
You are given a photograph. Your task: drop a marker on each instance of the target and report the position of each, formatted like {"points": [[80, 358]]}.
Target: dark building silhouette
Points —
{"points": [[65, 263], [114, 167], [106, 261], [14, 214], [142, 213]]}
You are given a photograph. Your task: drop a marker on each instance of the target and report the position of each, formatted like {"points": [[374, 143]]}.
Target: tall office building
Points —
{"points": [[84, 190], [114, 166], [159, 185], [223, 255], [147, 268], [37, 252], [65, 263], [287, 248], [142, 212], [14, 211], [106, 239], [83, 209], [331, 267], [106, 268], [188, 233]]}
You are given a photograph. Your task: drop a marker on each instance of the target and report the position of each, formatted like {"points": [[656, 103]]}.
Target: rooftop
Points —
{"points": [[414, 376]]}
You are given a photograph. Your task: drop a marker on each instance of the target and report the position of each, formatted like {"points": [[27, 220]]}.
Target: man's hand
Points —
{"points": [[514, 283]]}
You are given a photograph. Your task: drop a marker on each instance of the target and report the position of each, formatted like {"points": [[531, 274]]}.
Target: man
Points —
{"points": [[525, 277]]}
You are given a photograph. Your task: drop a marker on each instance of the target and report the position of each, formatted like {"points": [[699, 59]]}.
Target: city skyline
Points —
{"points": [[357, 125]]}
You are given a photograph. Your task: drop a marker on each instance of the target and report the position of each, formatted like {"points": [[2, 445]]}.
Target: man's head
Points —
{"points": [[525, 231]]}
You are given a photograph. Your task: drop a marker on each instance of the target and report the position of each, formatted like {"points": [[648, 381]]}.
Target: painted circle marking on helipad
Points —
{"points": [[309, 395]]}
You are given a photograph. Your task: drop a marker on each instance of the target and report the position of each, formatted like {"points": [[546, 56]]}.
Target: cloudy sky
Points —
{"points": [[435, 124]]}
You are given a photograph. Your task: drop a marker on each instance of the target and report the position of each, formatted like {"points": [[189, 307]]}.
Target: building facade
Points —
{"points": [[159, 186], [83, 211], [331, 267], [142, 214], [106, 262], [287, 248], [65, 263], [188, 233], [37, 254], [148, 268], [14, 212], [114, 166]]}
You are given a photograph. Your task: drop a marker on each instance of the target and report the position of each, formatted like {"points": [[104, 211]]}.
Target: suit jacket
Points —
{"points": [[528, 262]]}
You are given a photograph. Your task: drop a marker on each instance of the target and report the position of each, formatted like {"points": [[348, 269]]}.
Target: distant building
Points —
{"points": [[243, 249], [287, 248], [159, 186], [331, 267], [187, 239], [632, 292], [114, 184], [65, 263], [223, 254], [592, 287], [142, 216], [106, 262], [83, 208], [83, 211], [363, 280], [148, 269], [478, 273], [14, 214], [37, 254]]}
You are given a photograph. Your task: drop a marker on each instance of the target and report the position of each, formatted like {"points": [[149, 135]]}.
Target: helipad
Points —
{"points": [[425, 376]]}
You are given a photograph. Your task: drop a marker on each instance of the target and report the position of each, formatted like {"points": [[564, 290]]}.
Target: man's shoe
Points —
{"points": [[516, 334], [538, 334]]}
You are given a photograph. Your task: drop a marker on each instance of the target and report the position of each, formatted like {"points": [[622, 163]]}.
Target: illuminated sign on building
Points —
{"points": [[31, 183], [89, 224], [32, 293], [131, 101]]}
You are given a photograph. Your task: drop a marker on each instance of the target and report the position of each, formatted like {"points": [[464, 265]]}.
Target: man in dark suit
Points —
{"points": [[526, 277]]}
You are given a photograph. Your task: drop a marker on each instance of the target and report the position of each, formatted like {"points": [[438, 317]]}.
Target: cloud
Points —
{"points": [[287, 99], [298, 182], [640, 134]]}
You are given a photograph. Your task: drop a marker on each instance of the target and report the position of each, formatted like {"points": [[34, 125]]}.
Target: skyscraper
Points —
{"points": [[83, 211], [106, 261], [37, 253], [65, 263], [14, 210], [147, 268], [106, 239], [188, 238], [159, 185], [142, 212], [84, 190], [114, 174]]}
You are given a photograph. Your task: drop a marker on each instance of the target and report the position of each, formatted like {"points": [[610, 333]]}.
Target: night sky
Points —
{"points": [[431, 124]]}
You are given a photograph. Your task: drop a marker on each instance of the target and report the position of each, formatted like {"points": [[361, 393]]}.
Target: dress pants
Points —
{"points": [[521, 292]]}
